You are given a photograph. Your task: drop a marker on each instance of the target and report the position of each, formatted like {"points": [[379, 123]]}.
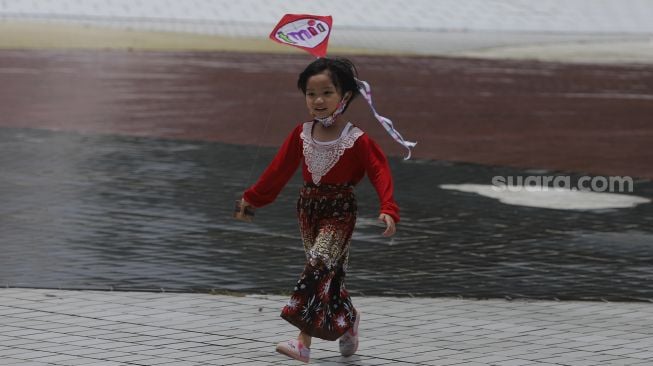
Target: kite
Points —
{"points": [[311, 34], [308, 32]]}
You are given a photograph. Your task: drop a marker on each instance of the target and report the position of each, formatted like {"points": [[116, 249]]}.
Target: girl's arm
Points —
{"points": [[378, 171], [278, 172]]}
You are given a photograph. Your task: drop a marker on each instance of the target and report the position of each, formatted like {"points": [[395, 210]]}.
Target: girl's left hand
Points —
{"points": [[389, 223]]}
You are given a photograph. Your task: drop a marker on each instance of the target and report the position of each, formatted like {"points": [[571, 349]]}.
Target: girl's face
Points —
{"points": [[322, 97]]}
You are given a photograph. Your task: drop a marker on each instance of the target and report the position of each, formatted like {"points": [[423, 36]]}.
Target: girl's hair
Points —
{"points": [[343, 74]]}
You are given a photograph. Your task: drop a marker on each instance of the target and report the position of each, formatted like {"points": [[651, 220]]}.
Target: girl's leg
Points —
{"points": [[305, 339]]}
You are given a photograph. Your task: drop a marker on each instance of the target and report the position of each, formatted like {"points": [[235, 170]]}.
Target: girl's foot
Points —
{"points": [[294, 349], [349, 340]]}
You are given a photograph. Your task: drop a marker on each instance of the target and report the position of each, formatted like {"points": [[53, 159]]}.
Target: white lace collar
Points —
{"points": [[320, 156], [343, 133]]}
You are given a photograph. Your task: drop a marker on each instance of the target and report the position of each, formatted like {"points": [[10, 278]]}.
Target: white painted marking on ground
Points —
{"points": [[552, 198]]}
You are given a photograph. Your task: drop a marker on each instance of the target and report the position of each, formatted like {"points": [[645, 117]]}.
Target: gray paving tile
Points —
{"points": [[9, 361]]}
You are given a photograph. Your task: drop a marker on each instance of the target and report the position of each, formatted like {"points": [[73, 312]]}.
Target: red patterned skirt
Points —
{"points": [[320, 305]]}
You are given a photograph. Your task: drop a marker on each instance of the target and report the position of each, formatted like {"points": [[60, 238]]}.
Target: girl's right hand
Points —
{"points": [[244, 211]]}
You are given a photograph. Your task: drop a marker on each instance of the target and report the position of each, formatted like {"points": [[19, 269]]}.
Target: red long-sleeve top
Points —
{"points": [[365, 156]]}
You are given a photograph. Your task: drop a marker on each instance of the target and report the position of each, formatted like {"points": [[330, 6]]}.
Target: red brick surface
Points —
{"points": [[582, 118]]}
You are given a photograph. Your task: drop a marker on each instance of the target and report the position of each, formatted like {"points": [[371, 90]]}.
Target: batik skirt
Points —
{"points": [[320, 305]]}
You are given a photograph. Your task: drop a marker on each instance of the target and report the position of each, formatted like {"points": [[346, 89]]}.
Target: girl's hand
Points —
{"points": [[244, 211], [244, 203], [389, 223]]}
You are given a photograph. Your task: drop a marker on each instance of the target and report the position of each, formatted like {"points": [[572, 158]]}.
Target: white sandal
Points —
{"points": [[349, 341], [294, 349]]}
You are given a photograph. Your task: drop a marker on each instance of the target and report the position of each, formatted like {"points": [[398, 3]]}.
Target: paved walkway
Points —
{"points": [[588, 31], [50, 327], [562, 16]]}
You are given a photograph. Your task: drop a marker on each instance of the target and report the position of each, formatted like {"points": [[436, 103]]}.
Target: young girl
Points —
{"points": [[335, 155]]}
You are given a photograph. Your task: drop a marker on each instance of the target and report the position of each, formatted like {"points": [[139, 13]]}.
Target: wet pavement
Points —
{"points": [[91, 211], [119, 171], [524, 114]]}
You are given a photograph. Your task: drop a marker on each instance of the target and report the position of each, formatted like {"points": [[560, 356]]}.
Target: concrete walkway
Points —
{"points": [[586, 31], [53, 327]]}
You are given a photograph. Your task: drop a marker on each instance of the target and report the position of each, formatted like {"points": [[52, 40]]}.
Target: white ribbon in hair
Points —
{"points": [[366, 91]]}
